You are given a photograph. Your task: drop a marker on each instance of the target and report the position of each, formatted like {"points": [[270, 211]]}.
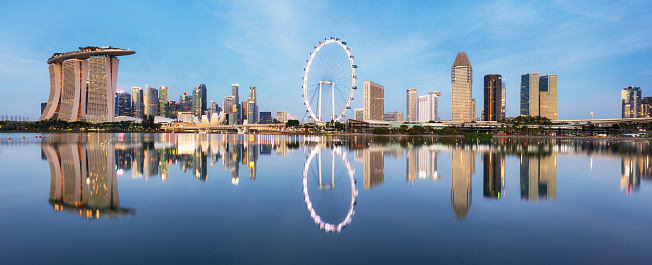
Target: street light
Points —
{"points": [[591, 114]]}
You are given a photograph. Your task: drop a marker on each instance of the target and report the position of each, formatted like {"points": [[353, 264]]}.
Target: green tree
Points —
{"points": [[381, 130]]}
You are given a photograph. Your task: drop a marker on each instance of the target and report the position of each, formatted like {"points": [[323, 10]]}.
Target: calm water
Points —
{"points": [[261, 199]]}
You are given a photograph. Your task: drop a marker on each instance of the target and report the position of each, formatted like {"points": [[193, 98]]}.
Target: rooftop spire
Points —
{"points": [[461, 60]]}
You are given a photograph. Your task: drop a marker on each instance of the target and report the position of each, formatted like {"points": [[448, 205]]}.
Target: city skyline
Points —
{"points": [[265, 45]]}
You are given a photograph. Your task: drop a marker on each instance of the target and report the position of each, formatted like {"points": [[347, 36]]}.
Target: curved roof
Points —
{"points": [[87, 54]]}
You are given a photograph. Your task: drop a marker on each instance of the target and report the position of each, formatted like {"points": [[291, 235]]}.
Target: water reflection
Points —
{"points": [[83, 177], [461, 171], [539, 177], [85, 168]]}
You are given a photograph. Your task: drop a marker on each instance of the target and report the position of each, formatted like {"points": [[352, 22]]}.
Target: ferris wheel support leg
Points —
{"points": [[333, 100], [320, 101]]}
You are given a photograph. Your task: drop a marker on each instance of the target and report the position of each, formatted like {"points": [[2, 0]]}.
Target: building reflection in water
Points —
{"points": [[421, 163], [461, 171], [152, 155], [83, 175], [374, 168], [538, 177], [632, 169], [494, 174]]}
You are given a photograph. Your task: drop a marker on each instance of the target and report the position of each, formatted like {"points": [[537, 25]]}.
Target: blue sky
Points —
{"points": [[595, 47]]}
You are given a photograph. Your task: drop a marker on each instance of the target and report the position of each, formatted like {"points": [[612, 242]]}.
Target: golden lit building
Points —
{"points": [[83, 85], [462, 93]]}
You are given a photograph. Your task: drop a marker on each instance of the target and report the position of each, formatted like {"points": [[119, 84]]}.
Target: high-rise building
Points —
{"points": [[282, 116], [411, 104], [199, 105], [230, 106], [234, 93], [473, 108], [244, 109], [631, 102], [358, 114], [266, 117], [252, 107], [185, 103], [427, 107], [163, 101], [548, 96], [646, 107], [123, 102], [530, 94], [150, 98], [138, 108], [393, 116], [83, 85], [462, 92], [374, 101], [492, 110], [43, 105], [504, 98]]}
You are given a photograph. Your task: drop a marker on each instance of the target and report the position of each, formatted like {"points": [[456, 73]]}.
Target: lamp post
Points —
{"points": [[591, 114]]}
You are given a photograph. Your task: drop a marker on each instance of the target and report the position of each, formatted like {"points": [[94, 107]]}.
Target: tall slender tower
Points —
{"points": [[411, 104], [234, 93], [163, 101], [252, 107], [374, 101], [462, 81], [530, 94], [492, 97], [138, 108], [548, 96]]}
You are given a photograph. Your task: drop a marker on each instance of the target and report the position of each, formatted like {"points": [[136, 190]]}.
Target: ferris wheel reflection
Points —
{"points": [[313, 173]]}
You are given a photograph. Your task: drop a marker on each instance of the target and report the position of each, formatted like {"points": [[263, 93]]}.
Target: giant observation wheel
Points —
{"points": [[329, 81]]}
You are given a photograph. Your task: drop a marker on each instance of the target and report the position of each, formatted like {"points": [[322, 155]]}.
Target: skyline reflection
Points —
{"points": [[85, 168]]}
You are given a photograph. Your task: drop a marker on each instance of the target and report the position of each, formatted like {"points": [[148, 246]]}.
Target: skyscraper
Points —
{"points": [[234, 93], [493, 97], [83, 85], [530, 94], [150, 98], [646, 107], [163, 101], [548, 96], [502, 93], [199, 104], [137, 101], [229, 105], [252, 107], [282, 116], [123, 102], [411, 104], [427, 107], [462, 92], [631, 102], [374, 101]]}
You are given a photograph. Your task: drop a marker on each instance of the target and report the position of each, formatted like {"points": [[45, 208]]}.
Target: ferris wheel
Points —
{"points": [[329, 81]]}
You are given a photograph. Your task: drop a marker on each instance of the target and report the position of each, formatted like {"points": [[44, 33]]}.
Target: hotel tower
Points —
{"points": [[83, 85]]}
